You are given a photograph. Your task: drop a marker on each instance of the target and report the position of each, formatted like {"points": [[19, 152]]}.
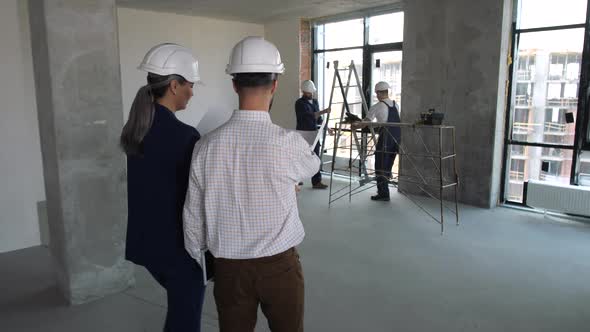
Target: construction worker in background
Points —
{"points": [[241, 203], [159, 149], [309, 118], [385, 110]]}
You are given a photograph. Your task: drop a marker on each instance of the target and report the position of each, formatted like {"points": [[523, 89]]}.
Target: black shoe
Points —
{"points": [[380, 198], [300, 183], [320, 186]]}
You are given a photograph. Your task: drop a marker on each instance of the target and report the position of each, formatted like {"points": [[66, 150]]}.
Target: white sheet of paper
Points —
{"points": [[320, 131], [312, 136], [203, 264], [309, 136]]}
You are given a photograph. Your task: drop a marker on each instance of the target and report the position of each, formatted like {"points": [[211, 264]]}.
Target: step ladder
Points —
{"points": [[351, 84]]}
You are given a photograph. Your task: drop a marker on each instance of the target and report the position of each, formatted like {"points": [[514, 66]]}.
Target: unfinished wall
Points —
{"points": [[285, 35], [21, 173], [305, 50], [210, 39], [453, 50]]}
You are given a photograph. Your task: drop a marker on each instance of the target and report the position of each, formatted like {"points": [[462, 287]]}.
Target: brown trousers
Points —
{"points": [[275, 282]]}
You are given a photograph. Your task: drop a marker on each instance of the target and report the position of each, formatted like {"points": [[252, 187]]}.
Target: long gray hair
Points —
{"points": [[141, 115]]}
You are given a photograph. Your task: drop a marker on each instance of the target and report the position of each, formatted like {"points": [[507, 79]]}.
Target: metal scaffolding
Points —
{"points": [[359, 144]]}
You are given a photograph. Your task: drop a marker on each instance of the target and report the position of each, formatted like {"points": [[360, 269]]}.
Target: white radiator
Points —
{"points": [[558, 197]]}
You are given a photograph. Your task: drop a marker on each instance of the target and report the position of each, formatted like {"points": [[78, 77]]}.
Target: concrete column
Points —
{"points": [[454, 51], [77, 79]]}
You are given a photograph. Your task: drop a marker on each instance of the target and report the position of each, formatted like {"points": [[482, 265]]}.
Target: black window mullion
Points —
{"points": [[541, 145], [581, 132], [367, 73], [367, 78], [552, 28], [337, 49]]}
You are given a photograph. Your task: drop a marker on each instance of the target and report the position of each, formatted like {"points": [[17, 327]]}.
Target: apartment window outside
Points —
{"points": [[517, 169], [552, 170], [545, 85], [374, 42], [518, 150], [526, 68], [524, 94]]}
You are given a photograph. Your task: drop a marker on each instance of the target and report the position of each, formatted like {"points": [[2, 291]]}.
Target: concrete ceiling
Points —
{"points": [[255, 11]]}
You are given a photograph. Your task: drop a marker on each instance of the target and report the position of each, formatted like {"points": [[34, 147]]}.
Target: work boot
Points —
{"points": [[379, 197], [320, 186]]}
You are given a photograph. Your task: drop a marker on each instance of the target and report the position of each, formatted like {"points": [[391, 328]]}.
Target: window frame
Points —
{"points": [[367, 48], [582, 130]]}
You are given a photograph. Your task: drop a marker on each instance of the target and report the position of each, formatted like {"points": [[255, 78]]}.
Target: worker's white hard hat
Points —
{"points": [[382, 86], [171, 59], [255, 55], [308, 86]]}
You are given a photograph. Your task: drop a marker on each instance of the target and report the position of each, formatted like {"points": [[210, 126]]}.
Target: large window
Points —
{"points": [[543, 136], [374, 43]]}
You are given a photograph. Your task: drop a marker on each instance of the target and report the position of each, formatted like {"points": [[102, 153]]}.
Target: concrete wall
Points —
{"points": [[453, 50], [210, 39], [21, 173], [23, 219], [285, 35]]}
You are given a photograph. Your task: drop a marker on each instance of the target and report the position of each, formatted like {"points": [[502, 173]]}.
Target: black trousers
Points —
{"points": [[183, 282], [317, 178], [386, 151]]}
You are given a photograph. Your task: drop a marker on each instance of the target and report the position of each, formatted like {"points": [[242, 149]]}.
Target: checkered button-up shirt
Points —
{"points": [[241, 201]]}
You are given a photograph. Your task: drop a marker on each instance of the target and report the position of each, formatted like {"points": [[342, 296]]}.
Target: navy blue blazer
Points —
{"points": [[304, 110], [156, 189]]}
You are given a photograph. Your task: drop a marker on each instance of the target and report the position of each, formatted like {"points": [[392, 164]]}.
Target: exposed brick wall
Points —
{"points": [[305, 50]]}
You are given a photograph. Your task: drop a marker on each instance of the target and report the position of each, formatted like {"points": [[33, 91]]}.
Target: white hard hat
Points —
{"points": [[255, 55], [308, 86], [382, 86], [171, 59]]}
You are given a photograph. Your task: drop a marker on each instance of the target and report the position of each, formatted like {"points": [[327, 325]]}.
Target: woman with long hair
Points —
{"points": [[159, 149]]}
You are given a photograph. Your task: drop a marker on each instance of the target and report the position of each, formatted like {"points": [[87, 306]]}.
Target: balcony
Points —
{"points": [[567, 76], [553, 178], [523, 128], [524, 75], [563, 102], [523, 100], [553, 128], [516, 176]]}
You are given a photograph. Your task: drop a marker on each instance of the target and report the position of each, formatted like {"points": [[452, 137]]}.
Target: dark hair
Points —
{"points": [[254, 80], [141, 115]]}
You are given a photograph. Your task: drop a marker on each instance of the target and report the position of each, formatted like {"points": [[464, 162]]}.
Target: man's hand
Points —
{"points": [[297, 188], [320, 113]]}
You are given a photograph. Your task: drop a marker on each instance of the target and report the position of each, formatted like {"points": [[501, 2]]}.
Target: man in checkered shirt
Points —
{"points": [[241, 203]]}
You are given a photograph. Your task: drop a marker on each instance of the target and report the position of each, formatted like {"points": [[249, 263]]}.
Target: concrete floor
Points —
{"points": [[368, 267]]}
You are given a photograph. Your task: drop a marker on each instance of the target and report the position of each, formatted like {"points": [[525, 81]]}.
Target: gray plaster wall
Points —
{"points": [[77, 78], [503, 80], [453, 55]]}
